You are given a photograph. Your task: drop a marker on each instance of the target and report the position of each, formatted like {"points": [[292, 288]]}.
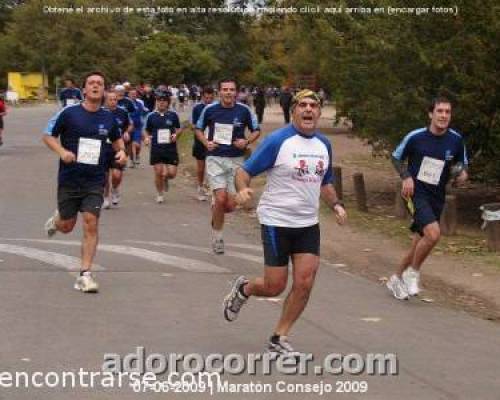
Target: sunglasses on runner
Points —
{"points": [[304, 104]]}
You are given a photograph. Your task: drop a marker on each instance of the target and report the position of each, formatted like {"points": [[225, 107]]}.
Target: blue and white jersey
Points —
{"points": [[197, 110], [122, 119], [85, 134], [127, 104], [430, 158], [225, 125], [137, 115], [161, 126], [70, 96], [195, 116], [297, 166]]}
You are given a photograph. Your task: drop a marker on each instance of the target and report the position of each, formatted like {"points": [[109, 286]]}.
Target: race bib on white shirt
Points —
{"points": [[223, 133], [430, 170], [70, 102], [89, 151], [164, 136]]}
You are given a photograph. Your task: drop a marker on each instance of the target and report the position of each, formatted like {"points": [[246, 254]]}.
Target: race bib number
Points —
{"points": [[223, 133], [89, 151], [70, 102], [430, 170], [164, 136]]}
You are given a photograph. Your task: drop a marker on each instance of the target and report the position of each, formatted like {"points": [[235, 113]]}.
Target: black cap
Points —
{"points": [[163, 94]]}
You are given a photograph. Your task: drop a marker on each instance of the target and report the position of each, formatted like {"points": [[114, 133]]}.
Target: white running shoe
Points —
{"points": [[115, 197], [106, 204], [202, 195], [86, 283], [218, 246], [234, 300], [50, 225], [160, 199], [281, 346], [411, 279], [397, 287]]}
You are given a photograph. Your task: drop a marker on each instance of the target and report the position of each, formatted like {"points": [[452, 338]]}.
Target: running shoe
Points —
{"points": [[160, 199], [234, 300], [50, 225], [411, 279], [106, 203], [115, 197], [218, 246], [281, 346], [397, 287], [86, 283], [202, 195]]}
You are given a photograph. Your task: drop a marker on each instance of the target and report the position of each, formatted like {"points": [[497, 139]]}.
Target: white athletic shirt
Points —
{"points": [[297, 166]]}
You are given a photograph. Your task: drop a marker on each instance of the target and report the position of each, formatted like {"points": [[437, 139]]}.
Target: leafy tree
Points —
{"points": [[170, 58], [70, 44], [384, 70], [6, 8]]}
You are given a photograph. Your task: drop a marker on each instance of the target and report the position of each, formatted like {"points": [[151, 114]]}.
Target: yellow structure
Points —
{"points": [[28, 86]]}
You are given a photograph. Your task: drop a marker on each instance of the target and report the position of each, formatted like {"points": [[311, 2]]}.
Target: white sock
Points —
{"points": [[217, 234]]}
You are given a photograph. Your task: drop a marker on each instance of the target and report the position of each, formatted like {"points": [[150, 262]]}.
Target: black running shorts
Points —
{"points": [[199, 151], [164, 157], [70, 201], [280, 243]]}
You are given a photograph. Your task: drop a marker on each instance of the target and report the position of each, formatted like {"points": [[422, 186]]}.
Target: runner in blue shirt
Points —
{"points": [[162, 130], [226, 143], [199, 150], [125, 103], [115, 170], [82, 130], [137, 118], [434, 155], [70, 94]]}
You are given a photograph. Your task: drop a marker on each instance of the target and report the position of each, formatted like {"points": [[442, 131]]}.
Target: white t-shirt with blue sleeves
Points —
{"points": [[297, 166]]}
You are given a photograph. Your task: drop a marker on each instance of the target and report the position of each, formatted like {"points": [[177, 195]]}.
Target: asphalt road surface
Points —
{"points": [[161, 290]]}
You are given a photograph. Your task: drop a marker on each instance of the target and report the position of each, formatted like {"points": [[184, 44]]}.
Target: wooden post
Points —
{"points": [[359, 191], [337, 172], [400, 209], [493, 228], [493, 232], [448, 223]]}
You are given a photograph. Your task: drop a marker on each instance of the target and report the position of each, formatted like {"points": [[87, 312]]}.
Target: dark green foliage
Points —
{"points": [[382, 70]]}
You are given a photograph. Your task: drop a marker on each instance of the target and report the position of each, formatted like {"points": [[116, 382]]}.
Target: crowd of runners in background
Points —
{"points": [[101, 127]]}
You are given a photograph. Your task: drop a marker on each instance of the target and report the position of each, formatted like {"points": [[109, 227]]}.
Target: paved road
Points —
{"points": [[161, 289]]}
